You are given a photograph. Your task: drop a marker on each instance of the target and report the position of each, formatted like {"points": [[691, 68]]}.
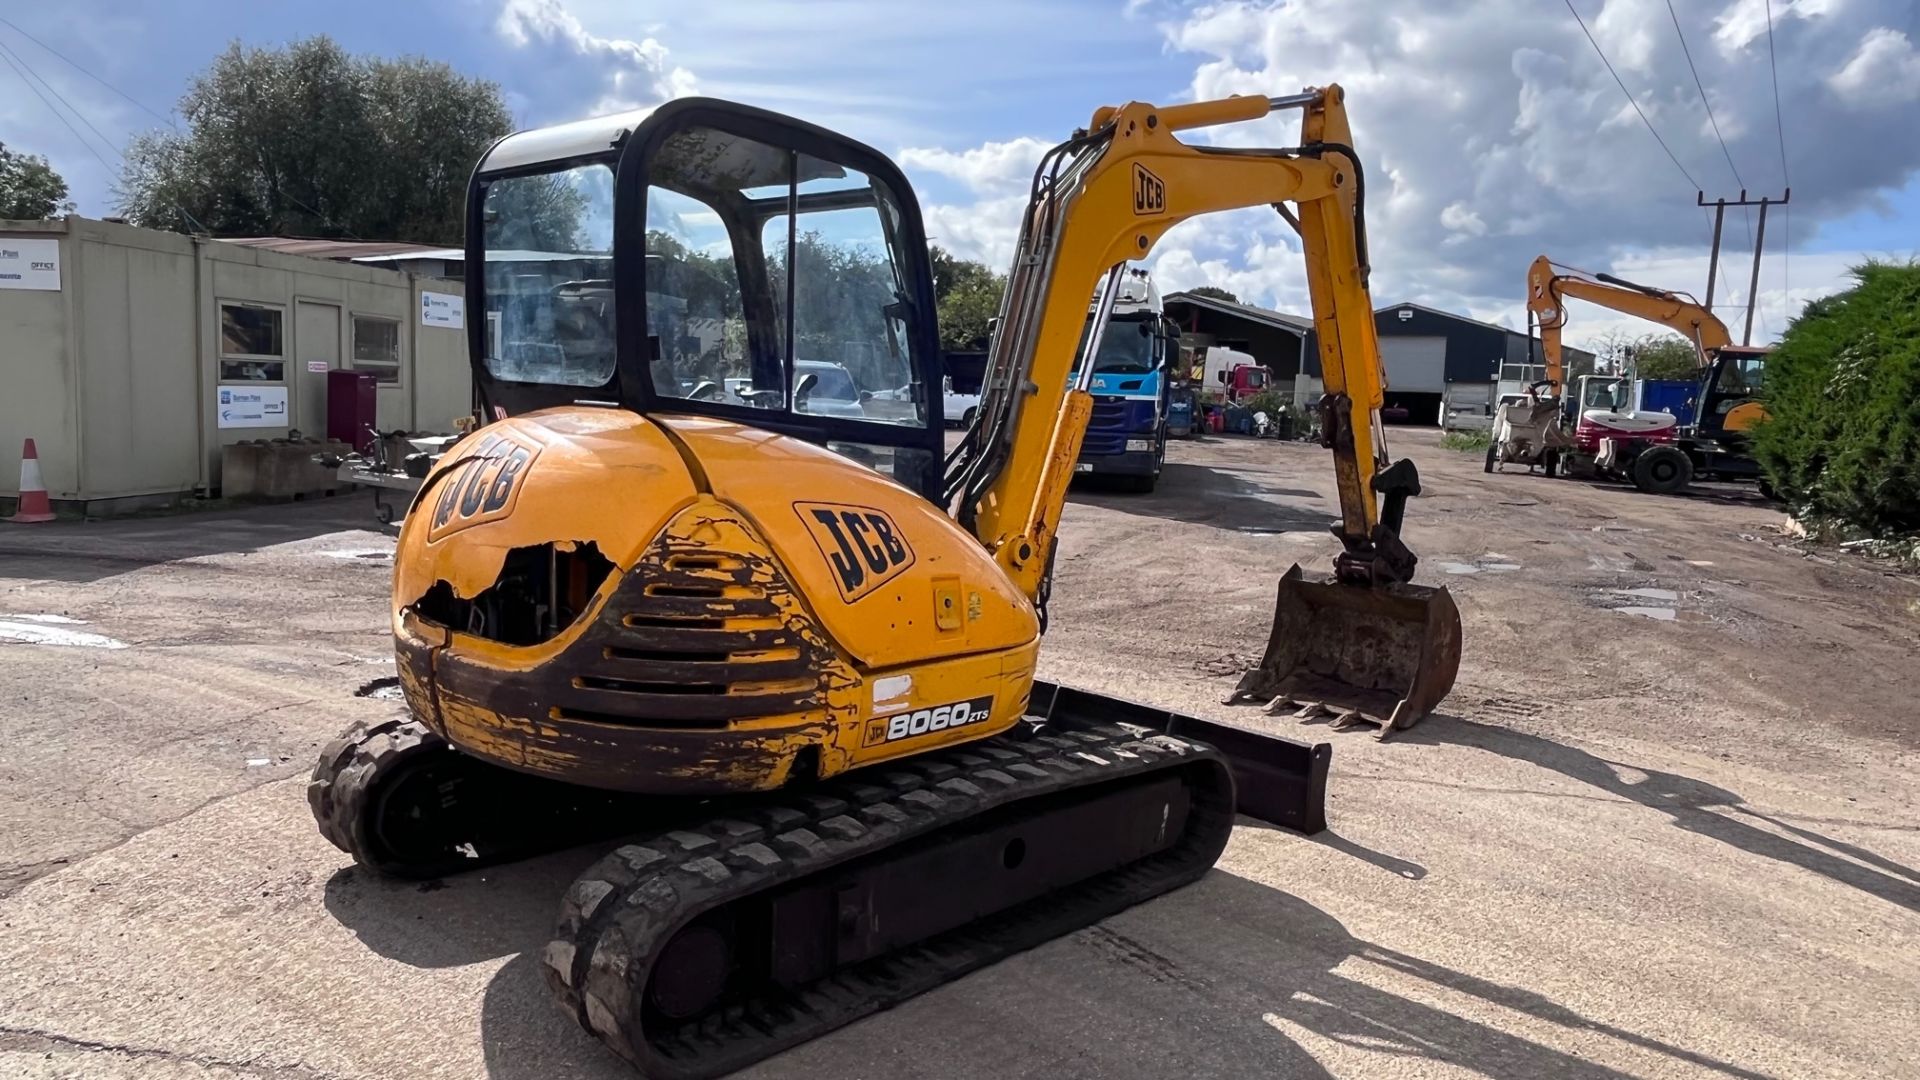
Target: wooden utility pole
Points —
{"points": [[1759, 243]]}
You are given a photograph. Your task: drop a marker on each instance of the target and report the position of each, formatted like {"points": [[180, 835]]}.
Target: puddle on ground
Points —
{"points": [[359, 553], [1649, 594], [1664, 614], [45, 630], [1460, 569], [385, 689], [1661, 613]]}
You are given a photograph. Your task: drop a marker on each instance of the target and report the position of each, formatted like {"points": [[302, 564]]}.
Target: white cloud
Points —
{"points": [[994, 166], [1463, 220], [1744, 22], [1884, 70], [625, 74], [985, 231], [1492, 133]]}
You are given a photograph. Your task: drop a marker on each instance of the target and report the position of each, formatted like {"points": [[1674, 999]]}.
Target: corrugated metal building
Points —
{"points": [[1282, 343], [119, 344], [1434, 360], [1437, 360]]}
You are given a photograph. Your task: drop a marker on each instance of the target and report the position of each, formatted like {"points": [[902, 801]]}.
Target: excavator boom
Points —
{"points": [[1549, 285], [1370, 645]]}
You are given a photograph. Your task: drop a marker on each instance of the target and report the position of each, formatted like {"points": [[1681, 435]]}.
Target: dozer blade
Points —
{"points": [[1276, 780], [1384, 654]]}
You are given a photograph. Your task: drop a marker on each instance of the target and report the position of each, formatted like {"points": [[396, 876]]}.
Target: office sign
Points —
{"points": [[252, 406], [30, 264], [443, 309]]}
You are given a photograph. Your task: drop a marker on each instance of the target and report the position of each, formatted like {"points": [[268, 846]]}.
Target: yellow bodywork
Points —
{"points": [[944, 625]]}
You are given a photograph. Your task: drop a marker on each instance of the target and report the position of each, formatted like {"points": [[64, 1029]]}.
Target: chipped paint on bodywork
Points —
{"points": [[607, 476], [714, 656]]}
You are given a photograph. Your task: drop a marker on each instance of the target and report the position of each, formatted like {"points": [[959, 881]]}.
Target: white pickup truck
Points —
{"points": [[958, 408]]}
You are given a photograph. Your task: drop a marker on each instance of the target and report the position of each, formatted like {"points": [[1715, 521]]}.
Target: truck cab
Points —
{"points": [[1127, 432], [1231, 375]]}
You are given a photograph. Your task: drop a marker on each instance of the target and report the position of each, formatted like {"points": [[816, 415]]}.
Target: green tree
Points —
{"points": [[308, 140], [1842, 390], [1214, 291], [1665, 356], [29, 188], [968, 295]]}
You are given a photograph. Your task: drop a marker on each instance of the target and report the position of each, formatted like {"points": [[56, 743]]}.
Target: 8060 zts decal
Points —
{"points": [[886, 729]]}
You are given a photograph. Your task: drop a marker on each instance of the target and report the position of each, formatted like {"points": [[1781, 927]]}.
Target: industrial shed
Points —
{"points": [[1438, 361], [1435, 360], [1280, 342], [133, 356]]}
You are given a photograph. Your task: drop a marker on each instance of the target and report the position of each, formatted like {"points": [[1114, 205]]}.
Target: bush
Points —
{"points": [[1842, 442], [1465, 440], [1269, 402]]}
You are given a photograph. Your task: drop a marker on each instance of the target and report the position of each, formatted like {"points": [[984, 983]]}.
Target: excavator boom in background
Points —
{"points": [[708, 574], [1609, 435]]}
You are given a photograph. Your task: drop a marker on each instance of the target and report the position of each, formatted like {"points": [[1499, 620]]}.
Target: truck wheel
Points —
{"points": [[1493, 455], [1662, 470], [966, 418]]}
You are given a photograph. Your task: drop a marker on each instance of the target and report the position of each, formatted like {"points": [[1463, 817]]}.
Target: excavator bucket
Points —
{"points": [[1386, 655]]}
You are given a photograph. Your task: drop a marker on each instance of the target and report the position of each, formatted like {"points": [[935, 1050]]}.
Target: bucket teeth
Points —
{"points": [[1361, 654]]}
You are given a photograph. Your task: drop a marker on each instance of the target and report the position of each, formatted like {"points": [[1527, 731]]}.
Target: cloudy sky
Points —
{"points": [[1491, 130]]}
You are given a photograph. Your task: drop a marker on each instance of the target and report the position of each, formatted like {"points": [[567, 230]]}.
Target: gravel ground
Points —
{"points": [[1678, 842]]}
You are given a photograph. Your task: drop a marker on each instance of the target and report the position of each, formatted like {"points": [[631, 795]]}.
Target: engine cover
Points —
{"points": [[680, 604]]}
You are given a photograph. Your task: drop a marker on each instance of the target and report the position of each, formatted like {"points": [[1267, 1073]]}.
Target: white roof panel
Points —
{"points": [[561, 141]]}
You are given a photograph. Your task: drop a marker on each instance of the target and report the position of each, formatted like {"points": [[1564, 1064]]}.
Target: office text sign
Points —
{"points": [[30, 264]]}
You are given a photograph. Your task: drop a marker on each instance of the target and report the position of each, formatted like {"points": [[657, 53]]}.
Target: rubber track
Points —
{"points": [[344, 777], [494, 815], [621, 912]]}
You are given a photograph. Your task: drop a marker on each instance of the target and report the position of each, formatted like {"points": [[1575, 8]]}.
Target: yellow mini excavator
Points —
{"points": [[708, 575]]}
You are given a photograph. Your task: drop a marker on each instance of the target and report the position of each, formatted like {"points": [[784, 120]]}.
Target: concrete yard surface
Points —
{"points": [[1665, 826]]}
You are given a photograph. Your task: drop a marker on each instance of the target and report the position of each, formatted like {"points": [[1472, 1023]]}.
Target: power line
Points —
{"points": [[1697, 85], [1630, 99], [1780, 128], [75, 66], [21, 68], [78, 115], [6, 55]]}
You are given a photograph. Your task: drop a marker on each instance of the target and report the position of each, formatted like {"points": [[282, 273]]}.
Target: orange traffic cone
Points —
{"points": [[33, 490]]}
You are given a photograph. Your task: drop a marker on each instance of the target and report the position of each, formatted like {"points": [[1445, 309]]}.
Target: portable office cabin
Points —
{"points": [[117, 345]]}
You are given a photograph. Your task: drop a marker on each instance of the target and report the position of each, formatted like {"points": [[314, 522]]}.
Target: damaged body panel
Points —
{"points": [[694, 665]]}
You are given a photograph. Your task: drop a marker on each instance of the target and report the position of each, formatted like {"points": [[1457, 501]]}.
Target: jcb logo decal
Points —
{"points": [[1149, 193], [484, 486], [862, 545]]}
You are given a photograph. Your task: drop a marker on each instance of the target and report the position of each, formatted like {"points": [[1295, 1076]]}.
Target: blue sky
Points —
{"points": [[1490, 129]]}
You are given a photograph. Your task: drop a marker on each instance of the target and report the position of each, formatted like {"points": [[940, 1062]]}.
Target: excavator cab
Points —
{"points": [[782, 277]]}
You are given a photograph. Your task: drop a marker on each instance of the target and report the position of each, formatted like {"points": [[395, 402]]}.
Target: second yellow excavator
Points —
{"points": [[709, 574], [1651, 450]]}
